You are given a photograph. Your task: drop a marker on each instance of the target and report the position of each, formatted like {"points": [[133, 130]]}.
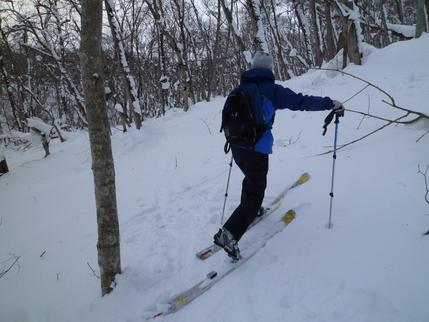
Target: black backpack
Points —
{"points": [[243, 120]]}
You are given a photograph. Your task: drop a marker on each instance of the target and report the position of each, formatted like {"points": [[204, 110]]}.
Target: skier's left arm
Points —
{"points": [[286, 98]]}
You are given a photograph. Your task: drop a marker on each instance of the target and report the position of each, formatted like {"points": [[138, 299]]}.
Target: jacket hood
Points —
{"points": [[258, 75]]}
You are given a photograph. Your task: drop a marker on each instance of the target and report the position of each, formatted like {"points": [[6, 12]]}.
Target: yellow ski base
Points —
{"points": [[302, 179], [288, 217]]}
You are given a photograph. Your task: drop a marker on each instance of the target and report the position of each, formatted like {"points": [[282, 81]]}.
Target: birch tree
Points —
{"points": [[156, 8], [259, 40], [318, 59], [101, 150], [245, 57], [128, 79], [350, 26], [421, 17]]}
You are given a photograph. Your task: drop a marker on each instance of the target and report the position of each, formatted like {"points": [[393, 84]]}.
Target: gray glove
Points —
{"points": [[338, 108]]}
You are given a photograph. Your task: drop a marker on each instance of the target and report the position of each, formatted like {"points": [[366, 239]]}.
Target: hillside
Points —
{"points": [[171, 177]]}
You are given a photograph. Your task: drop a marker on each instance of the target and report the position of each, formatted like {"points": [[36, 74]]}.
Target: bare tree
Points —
{"points": [[243, 61], [421, 18], [318, 59], [259, 40], [156, 8], [129, 83], [192, 50], [350, 36], [331, 49], [3, 164], [103, 169]]}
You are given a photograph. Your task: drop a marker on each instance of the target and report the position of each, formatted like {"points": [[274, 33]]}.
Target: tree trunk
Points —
{"points": [[330, 43], [44, 139], [101, 149], [281, 69], [318, 59], [129, 83], [241, 46], [421, 19], [259, 40], [3, 166], [158, 14], [349, 33]]}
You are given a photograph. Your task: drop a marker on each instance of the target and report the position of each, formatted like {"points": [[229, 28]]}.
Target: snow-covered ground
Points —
{"points": [[171, 177]]}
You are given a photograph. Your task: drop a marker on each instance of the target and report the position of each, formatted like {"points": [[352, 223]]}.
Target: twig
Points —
{"points": [[290, 141], [210, 132], [10, 267], [93, 270], [392, 103], [426, 182], [362, 80], [356, 94], [422, 136], [363, 117], [363, 137]]}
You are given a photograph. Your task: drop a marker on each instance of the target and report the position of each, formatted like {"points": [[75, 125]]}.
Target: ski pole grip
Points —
{"points": [[337, 118]]}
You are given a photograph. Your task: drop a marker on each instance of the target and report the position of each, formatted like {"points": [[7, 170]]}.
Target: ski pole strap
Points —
{"points": [[329, 119], [227, 147]]}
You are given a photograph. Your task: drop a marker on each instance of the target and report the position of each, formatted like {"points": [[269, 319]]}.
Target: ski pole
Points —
{"points": [[226, 192], [337, 120]]}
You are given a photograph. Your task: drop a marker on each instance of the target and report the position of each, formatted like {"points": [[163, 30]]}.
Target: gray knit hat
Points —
{"points": [[262, 60]]}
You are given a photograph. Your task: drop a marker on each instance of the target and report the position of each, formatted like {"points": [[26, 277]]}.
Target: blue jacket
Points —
{"points": [[278, 97]]}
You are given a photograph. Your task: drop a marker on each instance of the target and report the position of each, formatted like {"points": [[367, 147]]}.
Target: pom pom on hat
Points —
{"points": [[262, 60]]}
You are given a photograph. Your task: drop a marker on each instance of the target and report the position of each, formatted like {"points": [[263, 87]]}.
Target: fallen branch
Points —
{"points": [[408, 112], [392, 100], [10, 267], [210, 132], [363, 137], [93, 272]]}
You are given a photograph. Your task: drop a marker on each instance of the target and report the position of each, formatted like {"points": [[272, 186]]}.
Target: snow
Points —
{"points": [[407, 31], [171, 177], [39, 124]]}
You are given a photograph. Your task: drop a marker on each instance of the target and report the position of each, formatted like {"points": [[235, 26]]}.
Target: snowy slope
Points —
{"points": [[171, 176]]}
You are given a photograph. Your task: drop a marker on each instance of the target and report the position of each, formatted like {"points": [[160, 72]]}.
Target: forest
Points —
{"points": [[160, 54], [157, 55]]}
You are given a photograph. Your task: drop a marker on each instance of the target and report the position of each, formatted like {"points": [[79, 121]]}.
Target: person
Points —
{"points": [[253, 162]]}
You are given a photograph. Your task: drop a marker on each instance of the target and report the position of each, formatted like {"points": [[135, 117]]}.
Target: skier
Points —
{"points": [[253, 162]]}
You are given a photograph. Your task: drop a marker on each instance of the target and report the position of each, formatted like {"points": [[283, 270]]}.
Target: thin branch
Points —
{"points": [[426, 182], [422, 136], [361, 79], [93, 270], [356, 94], [10, 267], [418, 117], [210, 132], [363, 137]]}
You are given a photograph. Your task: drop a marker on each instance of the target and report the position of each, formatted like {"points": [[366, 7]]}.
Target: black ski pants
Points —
{"points": [[254, 166]]}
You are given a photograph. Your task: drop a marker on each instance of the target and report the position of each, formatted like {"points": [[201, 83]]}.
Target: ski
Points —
{"points": [[213, 277], [272, 207]]}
